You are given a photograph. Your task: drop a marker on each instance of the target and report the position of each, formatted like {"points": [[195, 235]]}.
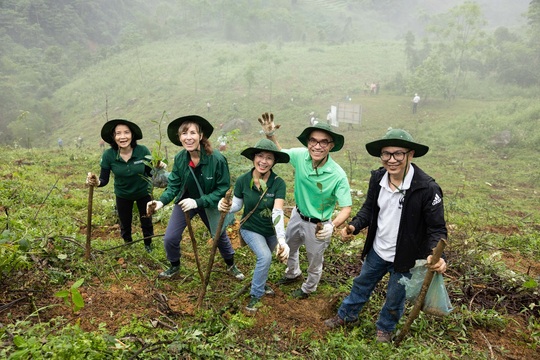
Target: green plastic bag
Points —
{"points": [[437, 301]]}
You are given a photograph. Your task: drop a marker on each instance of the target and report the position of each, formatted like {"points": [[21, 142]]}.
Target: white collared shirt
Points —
{"points": [[390, 203]]}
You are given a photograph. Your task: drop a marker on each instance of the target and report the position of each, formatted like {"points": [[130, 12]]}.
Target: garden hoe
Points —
{"points": [[437, 253], [194, 243], [89, 222], [213, 252]]}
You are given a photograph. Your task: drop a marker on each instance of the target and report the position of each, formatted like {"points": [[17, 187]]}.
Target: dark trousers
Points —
{"points": [[125, 213]]}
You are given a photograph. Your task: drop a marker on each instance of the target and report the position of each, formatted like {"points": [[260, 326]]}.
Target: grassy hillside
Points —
{"points": [[180, 78]]}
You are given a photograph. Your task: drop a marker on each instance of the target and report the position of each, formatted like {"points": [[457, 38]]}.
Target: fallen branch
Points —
{"points": [[8, 305]]}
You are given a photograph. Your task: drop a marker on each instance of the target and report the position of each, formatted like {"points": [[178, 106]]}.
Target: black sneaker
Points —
{"points": [[170, 272], [286, 281], [299, 294], [148, 248], [253, 304], [268, 290], [233, 270]]}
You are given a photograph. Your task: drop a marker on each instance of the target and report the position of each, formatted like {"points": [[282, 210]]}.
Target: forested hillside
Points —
{"points": [[45, 44]]}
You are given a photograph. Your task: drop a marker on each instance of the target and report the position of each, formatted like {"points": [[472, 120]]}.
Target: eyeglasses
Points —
{"points": [[398, 155], [323, 143]]}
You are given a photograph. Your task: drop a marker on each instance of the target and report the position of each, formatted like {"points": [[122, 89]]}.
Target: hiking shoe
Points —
{"points": [[334, 322], [233, 270], [286, 281], [383, 336], [253, 304], [299, 294], [170, 272], [268, 290], [148, 248]]}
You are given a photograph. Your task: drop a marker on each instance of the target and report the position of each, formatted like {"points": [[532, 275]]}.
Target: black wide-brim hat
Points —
{"points": [[266, 145], [107, 131], [338, 139], [172, 130], [399, 138]]}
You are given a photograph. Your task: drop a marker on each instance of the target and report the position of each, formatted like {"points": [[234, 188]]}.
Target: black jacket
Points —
{"points": [[422, 222]]}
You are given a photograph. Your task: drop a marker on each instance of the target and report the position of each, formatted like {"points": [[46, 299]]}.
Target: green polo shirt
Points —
{"points": [[129, 181], [317, 192], [261, 220]]}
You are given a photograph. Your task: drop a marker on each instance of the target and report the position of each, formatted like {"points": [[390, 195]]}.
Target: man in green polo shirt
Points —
{"points": [[319, 185]]}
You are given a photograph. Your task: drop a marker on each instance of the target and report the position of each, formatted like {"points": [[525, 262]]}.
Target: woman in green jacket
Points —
{"points": [[199, 179], [126, 160]]}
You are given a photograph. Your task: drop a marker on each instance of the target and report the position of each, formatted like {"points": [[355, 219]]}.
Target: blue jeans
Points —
{"points": [[373, 270], [262, 247], [175, 228]]}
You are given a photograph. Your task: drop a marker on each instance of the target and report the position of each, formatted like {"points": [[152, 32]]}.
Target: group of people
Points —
{"points": [[403, 210]]}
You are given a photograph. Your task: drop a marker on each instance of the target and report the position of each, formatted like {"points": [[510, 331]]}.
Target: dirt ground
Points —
{"points": [[116, 304]]}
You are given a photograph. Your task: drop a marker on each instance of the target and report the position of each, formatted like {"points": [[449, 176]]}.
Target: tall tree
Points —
{"points": [[460, 36]]}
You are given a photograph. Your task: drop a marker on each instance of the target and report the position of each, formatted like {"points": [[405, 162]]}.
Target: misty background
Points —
{"points": [[62, 62]]}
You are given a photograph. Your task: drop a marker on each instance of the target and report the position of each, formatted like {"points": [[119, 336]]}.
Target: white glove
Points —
{"points": [[267, 123], [158, 205], [224, 205], [282, 250], [325, 232], [161, 165], [92, 180], [188, 204]]}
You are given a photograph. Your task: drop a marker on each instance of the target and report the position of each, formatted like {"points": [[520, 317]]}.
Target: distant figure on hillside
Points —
{"points": [[415, 101], [208, 106], [373, 88], [235, 107], [60, 143], [222, 140], [102, 145], [79, 142]]}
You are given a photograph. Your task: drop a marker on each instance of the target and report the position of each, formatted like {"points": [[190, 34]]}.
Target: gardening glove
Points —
{"points": [[92, 180], [282, 250], [267, 124], [347, 233], [325, 232], [161, 165], [153, 206], [224, 205], [188, 204]]}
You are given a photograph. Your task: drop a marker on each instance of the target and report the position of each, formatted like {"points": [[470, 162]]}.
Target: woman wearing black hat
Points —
{"points": [[262, 194], [126, 159], [199, 179]]}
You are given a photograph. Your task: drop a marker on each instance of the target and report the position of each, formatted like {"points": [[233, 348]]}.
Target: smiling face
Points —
{"points": [[190, 136], [396, 168], [263, 162], [319, 145], [122, 136]]}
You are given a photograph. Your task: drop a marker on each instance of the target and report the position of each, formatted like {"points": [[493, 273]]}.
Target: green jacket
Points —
{"points": [[214, 179]]}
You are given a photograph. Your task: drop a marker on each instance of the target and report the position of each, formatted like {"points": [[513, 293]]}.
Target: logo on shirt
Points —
{"points": [[138, 162], [436, 200]]}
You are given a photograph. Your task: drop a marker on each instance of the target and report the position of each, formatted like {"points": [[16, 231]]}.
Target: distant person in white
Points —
{"points": [[415, 101]]}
